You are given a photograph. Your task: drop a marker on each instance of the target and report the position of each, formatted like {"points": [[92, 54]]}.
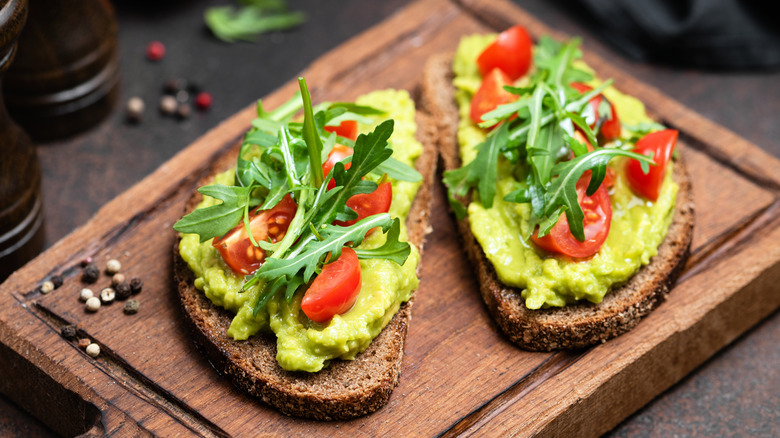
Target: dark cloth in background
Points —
{"points": [[720, 34]]}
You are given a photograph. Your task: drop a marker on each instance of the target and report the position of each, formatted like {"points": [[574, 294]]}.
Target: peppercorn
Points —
{"points": [[56, 280], [93, 304], [90, 273], [173, 85], [203, 100], [68, 331], [131, 307], [86, 294], [134, 109], [113, 266], [93, 350], [46, 287], [155, 51], [122, 291], [117, 278], [83, 342], [136, 284], [107, 295], [86, 261], [182, 96], [183, 111], [168, 105]]}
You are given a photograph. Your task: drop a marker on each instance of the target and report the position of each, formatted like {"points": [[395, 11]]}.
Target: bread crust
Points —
{"points": [[578, 325], [342, 390]]}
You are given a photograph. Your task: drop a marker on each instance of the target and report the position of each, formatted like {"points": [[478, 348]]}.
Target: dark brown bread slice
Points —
{"points": [[573, 326], [344, 389]]}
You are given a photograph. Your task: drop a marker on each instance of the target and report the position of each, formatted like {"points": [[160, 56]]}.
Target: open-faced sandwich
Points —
{"points": [[298, 264], [573, 206]]}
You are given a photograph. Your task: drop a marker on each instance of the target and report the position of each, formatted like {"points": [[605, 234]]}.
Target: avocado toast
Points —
{"points": [[579, 322], [343, 389]]}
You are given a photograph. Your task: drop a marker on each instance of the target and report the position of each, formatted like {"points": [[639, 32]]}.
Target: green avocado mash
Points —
{"points": [[302, 344], [638, 226]]}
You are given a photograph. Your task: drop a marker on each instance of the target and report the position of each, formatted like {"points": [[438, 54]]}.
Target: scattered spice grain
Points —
{"points": [[131, 307], [56, 280], [107, 295], [136, 284], [90, 273], [117, 278], [93, 304], [113, 266], [93, 350], [123, 291], [68, 331], [134, 109], [46, 287], [86, 294], [83, 342]]}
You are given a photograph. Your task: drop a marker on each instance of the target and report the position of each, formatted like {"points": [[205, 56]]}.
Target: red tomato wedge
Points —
{"points": [[236, 248], [369, 204], [661, 144], [335, 290], [338, 153], [491, 94], [598, 217], [347, 129], [610, 128], [511, 52]]}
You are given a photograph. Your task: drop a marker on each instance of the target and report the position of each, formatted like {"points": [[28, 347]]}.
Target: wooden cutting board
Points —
{"points": [[460, 374]]}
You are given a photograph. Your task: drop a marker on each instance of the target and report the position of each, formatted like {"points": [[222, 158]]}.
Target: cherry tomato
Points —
{"points": [[661, 144], [338, 153], [347, 129], [236, 248], [511, 52], [335, 290], [610, 127], [491, 94], [369, 204], [598, 217]]}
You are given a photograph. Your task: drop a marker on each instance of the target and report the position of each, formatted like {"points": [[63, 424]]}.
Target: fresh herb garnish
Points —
{"points": [[253, 18], [280, 157], [536, 133]]}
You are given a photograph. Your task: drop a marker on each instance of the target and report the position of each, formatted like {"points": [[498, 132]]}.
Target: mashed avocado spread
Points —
{"points": [[638, 226], [301, 343]]}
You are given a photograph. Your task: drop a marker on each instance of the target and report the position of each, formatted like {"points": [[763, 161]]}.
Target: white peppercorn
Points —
{"points": [[93, 350], [46, 287], [93, 304], [135, 109], [86, 294], [113, 266], [117, 278], [107, 295], [168, 105]]}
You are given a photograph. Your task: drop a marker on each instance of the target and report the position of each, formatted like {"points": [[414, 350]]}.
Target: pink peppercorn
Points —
{"points": [[203, 100], [155, 51]]}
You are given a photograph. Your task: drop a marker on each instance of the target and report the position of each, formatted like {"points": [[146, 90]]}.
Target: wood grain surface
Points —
{"points": [[460, 375]]}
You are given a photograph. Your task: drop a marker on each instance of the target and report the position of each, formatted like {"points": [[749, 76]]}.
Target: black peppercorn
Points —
{"points": [[173, 85], [56, 280], [136, 284], [68, 331], [122, 291], [90, 273]]}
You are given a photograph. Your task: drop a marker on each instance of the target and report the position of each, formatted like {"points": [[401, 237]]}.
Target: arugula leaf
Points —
{"points": [[563, 189], [218, 219], [370, 150], [397, 170], [393, 249], [311, 134], [482, 171], [256, 17], [314, 251]]}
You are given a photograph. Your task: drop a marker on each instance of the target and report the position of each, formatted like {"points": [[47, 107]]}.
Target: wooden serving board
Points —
{"points": [[460, 374]]}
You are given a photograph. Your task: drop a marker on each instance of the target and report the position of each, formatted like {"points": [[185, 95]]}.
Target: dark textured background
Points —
{"points": [[736, 393]]}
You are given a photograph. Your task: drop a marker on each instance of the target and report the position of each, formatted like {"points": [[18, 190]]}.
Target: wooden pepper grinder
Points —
{"points": [[21, 215], [65, 78]]}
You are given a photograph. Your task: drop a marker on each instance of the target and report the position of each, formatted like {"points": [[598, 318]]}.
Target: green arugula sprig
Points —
{"points": [[539, 140], [280, 157], [253, 18]]}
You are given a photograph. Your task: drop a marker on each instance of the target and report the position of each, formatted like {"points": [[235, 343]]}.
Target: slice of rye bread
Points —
{"points": [[342, 390], [581, 324]]}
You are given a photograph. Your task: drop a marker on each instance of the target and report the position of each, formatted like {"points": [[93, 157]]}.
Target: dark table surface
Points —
{"points": [[735, 393]]}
